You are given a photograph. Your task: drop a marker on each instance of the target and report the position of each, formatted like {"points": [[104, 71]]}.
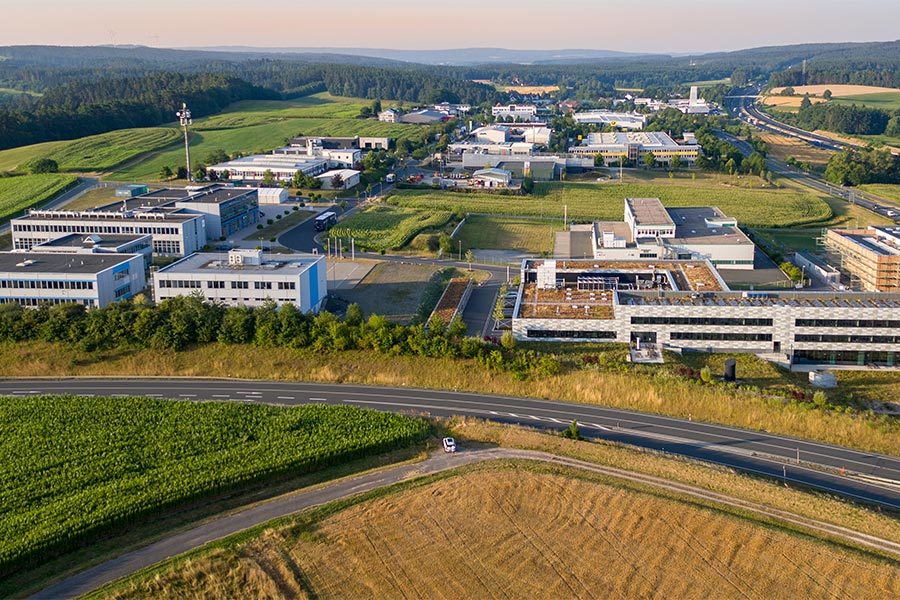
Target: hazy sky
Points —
{"points": [[640, 25]]}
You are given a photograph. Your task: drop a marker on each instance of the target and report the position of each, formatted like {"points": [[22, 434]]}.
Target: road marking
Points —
{"points": [[317, 399], [221, 396], [25, 392], [154, 395], [285, 397], [187, 395], [250, 393]]}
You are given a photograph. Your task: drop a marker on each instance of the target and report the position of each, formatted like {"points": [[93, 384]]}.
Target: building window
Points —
{"points": [[215, 284], [240, 285], [722, 321]]}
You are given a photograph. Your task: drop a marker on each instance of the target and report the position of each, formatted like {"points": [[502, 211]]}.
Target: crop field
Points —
{"points": [[389, 227], [781, 147], [526, 235], [74, 467], [260, 126], [520, 530], [753, 207], [19, 193], [93, 153]]}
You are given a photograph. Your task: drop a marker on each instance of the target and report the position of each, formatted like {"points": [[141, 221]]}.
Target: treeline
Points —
{"points": [[880, 74], [853, 166], [79, 109], [840, 118], [178, 323]]}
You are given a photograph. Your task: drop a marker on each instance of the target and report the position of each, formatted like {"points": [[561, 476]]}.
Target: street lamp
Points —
{"points": [[460, 250], [184, 117]]}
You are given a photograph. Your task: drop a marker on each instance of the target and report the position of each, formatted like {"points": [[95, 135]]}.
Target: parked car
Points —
{"points": [[449, 444]]}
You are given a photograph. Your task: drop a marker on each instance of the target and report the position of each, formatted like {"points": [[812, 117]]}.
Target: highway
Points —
{"points": [[861, 476]]}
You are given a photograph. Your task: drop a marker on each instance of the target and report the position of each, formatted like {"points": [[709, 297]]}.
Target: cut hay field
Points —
{"points": [[19, 193], [781, 147], [492, 233], [520, 530], [861, 95], [752, 207], [388, 227], [837, 89], [93, 153], [520, 89]]}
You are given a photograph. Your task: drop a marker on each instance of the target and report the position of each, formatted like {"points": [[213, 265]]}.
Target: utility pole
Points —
{"points": [[184, 117], [459, 257]]}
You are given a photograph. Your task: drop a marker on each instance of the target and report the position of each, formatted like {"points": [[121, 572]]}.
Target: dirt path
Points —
{"points": [[297, 501]]}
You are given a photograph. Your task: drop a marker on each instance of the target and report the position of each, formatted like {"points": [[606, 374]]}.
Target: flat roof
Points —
{"points": [[94, 240], [221, 195], [619, 229], [648, 211], [207, 263], [23, 263], [150, 215], [691, 227], [768, 298]]}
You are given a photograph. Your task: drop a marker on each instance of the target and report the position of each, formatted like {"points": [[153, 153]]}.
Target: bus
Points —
{"points": [[325, 221]]}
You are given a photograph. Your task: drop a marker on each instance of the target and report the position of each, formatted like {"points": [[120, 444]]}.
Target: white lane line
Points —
{"points": [[323, 400], [187, 395], [250, 393], [25, 392], [221, 395], [285, 397], [153, 395]]}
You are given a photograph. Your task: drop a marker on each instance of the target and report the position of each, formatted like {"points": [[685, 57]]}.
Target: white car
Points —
{"points": [[449, 444]]}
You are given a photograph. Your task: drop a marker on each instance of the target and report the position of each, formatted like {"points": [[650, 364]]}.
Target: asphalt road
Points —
{"points": [[861, 476], [294, 502]]}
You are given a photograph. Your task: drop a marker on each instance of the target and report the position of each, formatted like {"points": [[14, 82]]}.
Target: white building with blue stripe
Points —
{"points": [[247, 278]]}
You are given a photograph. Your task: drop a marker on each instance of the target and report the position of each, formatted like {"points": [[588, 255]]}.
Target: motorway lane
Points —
{"points": [[867, 476]]}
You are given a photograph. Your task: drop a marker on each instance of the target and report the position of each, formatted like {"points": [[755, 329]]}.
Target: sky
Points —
{"points": [[677, 26]]}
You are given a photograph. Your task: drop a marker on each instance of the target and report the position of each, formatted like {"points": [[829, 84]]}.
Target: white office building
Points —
{"points": [[523, 112], [282, 166], [631, 120], [94, 280], [633, 145], [247, 278], [95, 243]]}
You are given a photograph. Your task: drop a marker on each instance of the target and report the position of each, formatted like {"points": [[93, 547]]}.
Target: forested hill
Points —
{"points": [[78, 109]]}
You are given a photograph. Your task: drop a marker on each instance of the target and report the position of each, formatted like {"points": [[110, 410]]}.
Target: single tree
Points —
{"points": [[166, 173], [268, 179], [827, 94], [44, 165], [337, 182], [470, 258], [649, 160]]}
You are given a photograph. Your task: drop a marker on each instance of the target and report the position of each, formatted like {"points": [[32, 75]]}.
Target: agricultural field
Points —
{"points": [[76, 468], [525, 235], [93, 153], [519, 89], [260, 126], [781, 147], [861, 95], [522, 530], [389, 227], [25, 191], [764, 207]]}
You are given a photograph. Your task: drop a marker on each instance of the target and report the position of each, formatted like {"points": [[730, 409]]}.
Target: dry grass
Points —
{"points": [[521, 531], [781, 147], [788, 101], [661, 394]]}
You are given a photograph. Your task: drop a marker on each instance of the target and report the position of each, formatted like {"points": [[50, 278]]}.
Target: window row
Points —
{"points": [[79, 228], [847, 338], [883, 323], [729, 321], [721, 336], [45, 284]]}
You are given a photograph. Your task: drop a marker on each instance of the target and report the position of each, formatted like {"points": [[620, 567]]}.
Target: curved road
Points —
{"points": [[291, 503], [862, 476]]}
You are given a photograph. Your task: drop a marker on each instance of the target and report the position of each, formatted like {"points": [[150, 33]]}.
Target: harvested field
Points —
{"points": [[788, 101], [837, 89], [781, 147], [519, 531]]}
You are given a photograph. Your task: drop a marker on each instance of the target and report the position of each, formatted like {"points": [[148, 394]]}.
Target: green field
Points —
{"points": [[588, 202], [260, 126], [526, 235], [73, 468], [889, 101], [19, 193], [885, 190], [389, 227], [93, 153]]}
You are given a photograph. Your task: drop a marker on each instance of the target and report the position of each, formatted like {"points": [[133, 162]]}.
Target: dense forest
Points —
{"points": [[78, 109], [853, 166], [840, 118]]}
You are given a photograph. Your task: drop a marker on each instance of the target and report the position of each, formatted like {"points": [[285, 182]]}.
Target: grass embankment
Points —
{"points": [[27, 191], [96, 152], [651, 390], [885, 190], [767, 207], [529, 529], [76, 468], [259, 126]]}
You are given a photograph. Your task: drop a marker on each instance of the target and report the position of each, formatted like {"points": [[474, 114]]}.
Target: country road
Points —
{"points": [[856, 475], [350, 486]]}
